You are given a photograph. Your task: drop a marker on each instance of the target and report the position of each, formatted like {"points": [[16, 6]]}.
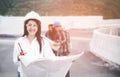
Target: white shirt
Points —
{"points": [[32, 49]]}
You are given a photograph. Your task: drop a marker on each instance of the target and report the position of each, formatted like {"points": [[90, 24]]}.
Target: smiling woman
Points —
{"points": [[31, 43]]}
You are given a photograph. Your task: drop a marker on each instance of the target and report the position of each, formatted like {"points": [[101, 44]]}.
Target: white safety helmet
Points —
{"points": [[32, 15]]}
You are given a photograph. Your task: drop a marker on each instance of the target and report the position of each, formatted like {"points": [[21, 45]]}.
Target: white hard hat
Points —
{"points": [[32, 15]]}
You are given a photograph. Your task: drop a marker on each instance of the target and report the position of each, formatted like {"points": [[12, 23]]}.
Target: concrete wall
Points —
{"points": [[14, 25], [106, 45], [11, 25]]}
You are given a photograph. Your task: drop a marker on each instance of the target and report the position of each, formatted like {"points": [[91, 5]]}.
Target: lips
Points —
{"points": [[31, 30]]}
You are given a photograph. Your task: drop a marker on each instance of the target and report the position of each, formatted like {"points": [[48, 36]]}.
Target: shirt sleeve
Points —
{"points": [[16, 51]]}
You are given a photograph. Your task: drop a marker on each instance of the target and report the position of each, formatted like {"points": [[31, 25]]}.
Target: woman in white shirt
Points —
{"points": [[31, 43]]}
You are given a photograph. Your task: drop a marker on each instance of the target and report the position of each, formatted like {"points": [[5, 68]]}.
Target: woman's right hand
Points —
{"points": [[21, 54]]}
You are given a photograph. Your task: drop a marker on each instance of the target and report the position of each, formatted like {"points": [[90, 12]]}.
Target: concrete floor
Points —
{"points": [[87, 65]]}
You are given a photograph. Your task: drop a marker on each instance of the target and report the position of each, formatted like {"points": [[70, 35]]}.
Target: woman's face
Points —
{"points": [[32, 28]]}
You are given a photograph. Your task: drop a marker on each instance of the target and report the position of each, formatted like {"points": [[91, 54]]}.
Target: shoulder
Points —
{"points": [[44, 38], [20, 39]]}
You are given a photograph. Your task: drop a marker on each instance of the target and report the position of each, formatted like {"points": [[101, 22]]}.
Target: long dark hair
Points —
{"points": [[38, 34]]}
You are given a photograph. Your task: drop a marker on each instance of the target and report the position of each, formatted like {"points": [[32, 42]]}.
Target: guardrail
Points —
{"points": [[106, 45]]}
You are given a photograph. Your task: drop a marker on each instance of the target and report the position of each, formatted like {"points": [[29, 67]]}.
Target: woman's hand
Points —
{"points": [[21, 54]]}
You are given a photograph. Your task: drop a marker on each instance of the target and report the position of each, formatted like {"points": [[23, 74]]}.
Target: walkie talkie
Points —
{"points": [[21, 53]]}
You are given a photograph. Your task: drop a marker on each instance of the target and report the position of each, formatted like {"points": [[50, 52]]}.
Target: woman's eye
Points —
{"points": [[29, 24], [34, 25]]}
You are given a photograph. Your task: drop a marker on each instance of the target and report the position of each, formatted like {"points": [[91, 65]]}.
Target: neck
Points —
{"points": [[30, 38]]}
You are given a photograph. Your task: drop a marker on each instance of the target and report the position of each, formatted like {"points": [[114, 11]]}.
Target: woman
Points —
{"points": [[51, 32], [31, 43]]}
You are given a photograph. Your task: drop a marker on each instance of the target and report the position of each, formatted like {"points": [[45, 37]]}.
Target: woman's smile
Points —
{"points": [[32, 27]]}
